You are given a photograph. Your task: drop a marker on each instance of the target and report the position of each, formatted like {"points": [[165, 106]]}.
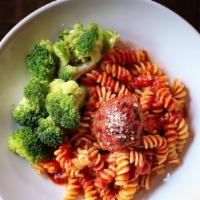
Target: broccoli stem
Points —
{"points": [[84, 68], [69, 72]]}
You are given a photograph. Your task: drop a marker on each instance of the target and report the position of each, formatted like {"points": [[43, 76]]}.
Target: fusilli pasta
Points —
{"points": [[128, 191], [179, 91], [83, 162], [73, 189], [117, 71], [90, 192], [144, 67], [125, 57], [123, 168]]}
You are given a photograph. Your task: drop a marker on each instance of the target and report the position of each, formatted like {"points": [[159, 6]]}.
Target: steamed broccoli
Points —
{"points": [[70, 36], [69, 72], [89, 44], [62, 52], [49, 133], [47, 108], [84, 44], [64, 101], [41, 61], [28, 113], [36, 90], [27, 144], [110, 38]]}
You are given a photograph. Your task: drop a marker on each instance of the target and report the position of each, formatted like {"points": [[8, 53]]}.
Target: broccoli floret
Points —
{"points": [[27, 144], [110, 39], [73, 73], [84, 44], [49, 133], [40, 62], [63, 34], [62, 52], [28, 113], [36, 90], [56, 85], [68, 34], [63, 110], [89, 44], [64, 101], [69, 88]]}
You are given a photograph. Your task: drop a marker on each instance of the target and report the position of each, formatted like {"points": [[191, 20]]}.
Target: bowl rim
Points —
{"points": [[32, 15]]}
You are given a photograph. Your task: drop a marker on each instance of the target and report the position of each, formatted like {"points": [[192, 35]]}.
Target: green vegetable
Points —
{"points": [[27, 144], [62, 52], [36, 90], [41, 62], [49, 133], [110, 38], [64, 101], [84, 44], [50, 104], [70, 36], [89, 44], [69, 72], [28, 113]]}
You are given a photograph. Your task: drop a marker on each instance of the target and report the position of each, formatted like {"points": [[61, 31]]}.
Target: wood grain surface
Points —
{"points": [[11, 11]]}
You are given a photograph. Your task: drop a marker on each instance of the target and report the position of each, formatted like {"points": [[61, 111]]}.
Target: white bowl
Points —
{"points": [[171, 43]]}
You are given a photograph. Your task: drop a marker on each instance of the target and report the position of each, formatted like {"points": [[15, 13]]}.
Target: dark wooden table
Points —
{"points": [[11, 11]]}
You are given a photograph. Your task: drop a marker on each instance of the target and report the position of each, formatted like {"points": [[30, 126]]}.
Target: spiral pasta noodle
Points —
{"points": [[147, 99], [144, 67], [106, 176], [105, 80], [182, 134], [166, 99], [52, 167], [170, 127], [125, 57], [179, 91], [152, 124], [96, 159], [160, 82], [103, 94], [137, 158], [128, 191], [158, 168], [90, 192], [123, 168], [82, 139], [117, 71], [63, 155], [145, 182], [82, 160], [73, 189], [86, 120], [158, 142], [108, 194]]}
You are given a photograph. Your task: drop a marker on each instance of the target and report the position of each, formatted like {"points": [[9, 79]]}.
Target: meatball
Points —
{"points": [[118, 123]]}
